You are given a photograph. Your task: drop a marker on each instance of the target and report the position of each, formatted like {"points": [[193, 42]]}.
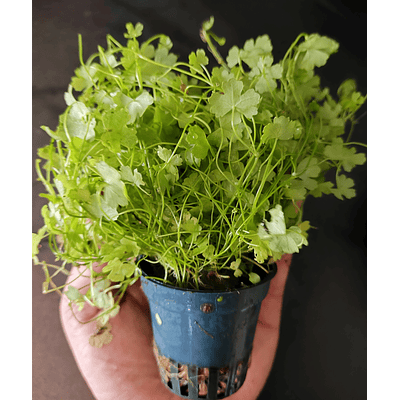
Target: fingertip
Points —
{"points": [[271, 306], [279, 281], [285, 261]]}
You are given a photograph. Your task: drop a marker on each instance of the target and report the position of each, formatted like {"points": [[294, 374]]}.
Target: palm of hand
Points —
{"points": [[126, 368]]}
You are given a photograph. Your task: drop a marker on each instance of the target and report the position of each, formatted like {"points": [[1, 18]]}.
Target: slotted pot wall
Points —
{"points": [[205, 329]]}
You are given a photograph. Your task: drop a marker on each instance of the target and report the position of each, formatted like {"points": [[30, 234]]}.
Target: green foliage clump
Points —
{"points": [[195, 168]]}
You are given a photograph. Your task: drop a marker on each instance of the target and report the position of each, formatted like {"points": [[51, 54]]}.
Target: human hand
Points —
{"points": [[126, 368]]}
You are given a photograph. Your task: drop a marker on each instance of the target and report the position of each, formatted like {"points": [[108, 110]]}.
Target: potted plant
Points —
{"points": [[192, 179]]}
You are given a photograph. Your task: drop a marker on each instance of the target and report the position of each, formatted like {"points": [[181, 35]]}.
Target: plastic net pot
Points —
{"points": [[203, 339]]}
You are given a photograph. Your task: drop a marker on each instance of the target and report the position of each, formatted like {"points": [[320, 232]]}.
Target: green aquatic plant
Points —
{"points": [[199, 170]]}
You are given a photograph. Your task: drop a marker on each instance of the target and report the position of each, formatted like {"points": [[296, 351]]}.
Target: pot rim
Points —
{"points": [[269, 276]]}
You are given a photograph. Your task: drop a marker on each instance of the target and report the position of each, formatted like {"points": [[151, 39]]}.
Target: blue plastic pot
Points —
{"points": [[203, 339]]}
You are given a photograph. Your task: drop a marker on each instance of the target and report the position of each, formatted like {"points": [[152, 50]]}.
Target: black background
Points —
{"points": [[322, 349]]}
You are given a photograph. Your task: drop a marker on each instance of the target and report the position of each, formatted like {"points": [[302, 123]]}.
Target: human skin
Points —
{"points": [[126, 368]]}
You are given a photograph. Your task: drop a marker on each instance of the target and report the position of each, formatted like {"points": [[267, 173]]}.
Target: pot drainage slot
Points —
{"points": [[192, 382]]}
